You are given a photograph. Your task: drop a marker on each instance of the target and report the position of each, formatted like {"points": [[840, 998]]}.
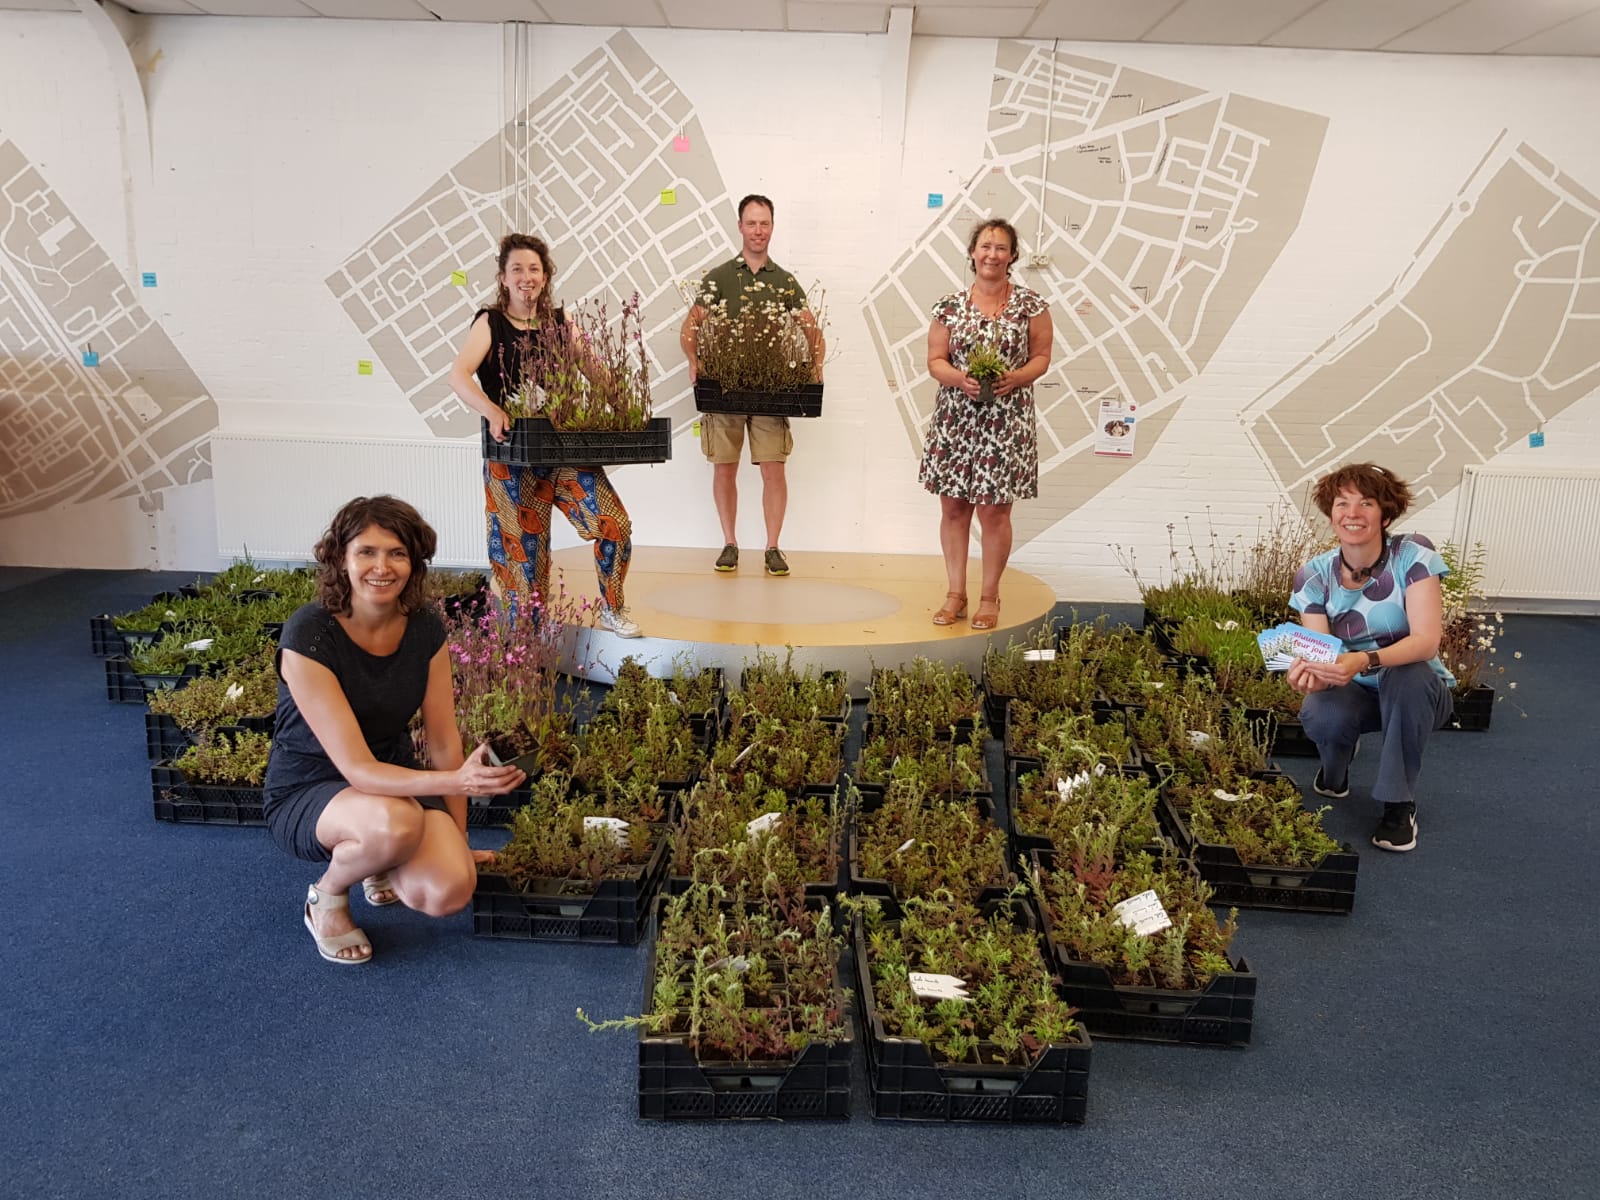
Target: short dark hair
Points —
{"points": [[755, 198], [387, 513], [1372, 481], [995, 223]]}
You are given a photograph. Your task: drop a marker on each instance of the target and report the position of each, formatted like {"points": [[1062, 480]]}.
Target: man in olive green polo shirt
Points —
{"points": [[722, 435]]}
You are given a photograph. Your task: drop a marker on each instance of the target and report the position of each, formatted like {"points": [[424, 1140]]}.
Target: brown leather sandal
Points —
{"points": [[988, 614], [948, 613]]}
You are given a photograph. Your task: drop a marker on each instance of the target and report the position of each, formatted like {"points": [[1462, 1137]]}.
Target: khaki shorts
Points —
{"points": [[722, 437]]}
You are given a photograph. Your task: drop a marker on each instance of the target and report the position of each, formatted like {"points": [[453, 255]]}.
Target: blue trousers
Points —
{"points": [[1409, 703]]}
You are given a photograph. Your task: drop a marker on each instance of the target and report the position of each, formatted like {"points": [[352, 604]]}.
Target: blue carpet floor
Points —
{"points": [[170, 1032]]}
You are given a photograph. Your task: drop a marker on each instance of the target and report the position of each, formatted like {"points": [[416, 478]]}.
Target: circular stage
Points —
{"points": [[849, 612]]}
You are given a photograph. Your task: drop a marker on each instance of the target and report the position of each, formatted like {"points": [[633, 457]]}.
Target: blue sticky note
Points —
{"points": [[148, 279], [91, 358], [1536, 438], [935, 199]]}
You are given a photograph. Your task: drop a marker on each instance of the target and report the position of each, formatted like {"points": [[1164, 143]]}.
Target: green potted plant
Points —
{"points": [[588, 403], [961, 1017], [762, 362], [214, 782], [574, 869], [1129, 974], [745, 1014]]}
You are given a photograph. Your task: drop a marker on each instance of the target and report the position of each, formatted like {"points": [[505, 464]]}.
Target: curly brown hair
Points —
{"points": [[525, 241], [393, 516], [1372, 481]]}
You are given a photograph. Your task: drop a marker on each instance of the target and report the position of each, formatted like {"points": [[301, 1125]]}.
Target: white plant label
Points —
{"points": [[765, 823], [1199, 737], [1222, 795], [743, 754], [617, 826], [1226, 626], [1142, 913], [906, 845], [234, 692], [1068, 785], [199, 644], [673, 696], [737, 963], [937, 987], [1038, 656]]}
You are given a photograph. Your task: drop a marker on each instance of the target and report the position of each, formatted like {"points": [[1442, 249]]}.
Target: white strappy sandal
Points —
{"points": [[329, 947]]}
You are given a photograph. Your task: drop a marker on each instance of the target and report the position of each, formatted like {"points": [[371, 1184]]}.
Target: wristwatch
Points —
{"points": [[1372, 662]]}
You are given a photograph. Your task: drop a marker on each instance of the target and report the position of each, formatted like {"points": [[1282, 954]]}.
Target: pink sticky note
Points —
{"points": [[681, 144]]}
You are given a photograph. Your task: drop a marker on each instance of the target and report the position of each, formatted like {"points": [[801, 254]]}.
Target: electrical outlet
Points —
{"points": [[1038, 260]]}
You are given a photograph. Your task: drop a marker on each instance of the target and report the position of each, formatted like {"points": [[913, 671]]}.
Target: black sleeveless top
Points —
{"points": [[512, 353]]}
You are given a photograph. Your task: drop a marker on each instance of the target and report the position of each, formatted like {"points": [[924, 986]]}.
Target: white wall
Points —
{"points": [[280, 147]]}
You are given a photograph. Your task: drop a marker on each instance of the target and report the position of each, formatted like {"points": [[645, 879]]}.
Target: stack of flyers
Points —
{"points": [[1282, 644]]}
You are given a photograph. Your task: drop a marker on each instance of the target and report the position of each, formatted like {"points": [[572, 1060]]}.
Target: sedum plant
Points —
{"points": [[740, 981], [1012, 1012], [236, 760], [1086, 880]]}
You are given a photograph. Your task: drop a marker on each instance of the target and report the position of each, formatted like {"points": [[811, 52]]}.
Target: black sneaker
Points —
{"points": [[1323, 789], [776, 563], [728, 560], [1397, 828]]}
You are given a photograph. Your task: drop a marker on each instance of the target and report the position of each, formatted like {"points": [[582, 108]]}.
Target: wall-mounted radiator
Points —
{"points": [[275, 494], [1539, 531]]}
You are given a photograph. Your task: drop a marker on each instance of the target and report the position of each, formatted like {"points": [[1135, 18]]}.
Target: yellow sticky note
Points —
{"points": [[458, 279], [697, 429], [364, 366], [669, 196]]}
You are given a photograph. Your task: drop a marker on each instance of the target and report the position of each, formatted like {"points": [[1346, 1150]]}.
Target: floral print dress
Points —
{"points": [[984, 452]]}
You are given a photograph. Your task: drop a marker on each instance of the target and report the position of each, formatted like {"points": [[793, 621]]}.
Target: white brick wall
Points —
{"points": [[275, 156]]}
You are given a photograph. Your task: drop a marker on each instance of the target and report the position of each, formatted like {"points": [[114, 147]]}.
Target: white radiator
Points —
{"points": [[276, 494], [1538, 530]]}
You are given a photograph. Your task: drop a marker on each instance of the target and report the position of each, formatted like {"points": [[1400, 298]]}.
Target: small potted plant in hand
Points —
{"points": [[985, 365]]}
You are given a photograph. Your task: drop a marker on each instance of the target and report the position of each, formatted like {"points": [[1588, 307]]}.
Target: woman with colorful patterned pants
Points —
{"points": [[507, 346]]}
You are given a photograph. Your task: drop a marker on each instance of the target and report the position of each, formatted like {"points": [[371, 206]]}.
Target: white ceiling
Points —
{"points": [[1565, 27]]}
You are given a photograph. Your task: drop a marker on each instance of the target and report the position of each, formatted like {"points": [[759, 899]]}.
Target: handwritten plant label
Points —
{"points": [[1038, 656], [937, 987], [1142, 913]]}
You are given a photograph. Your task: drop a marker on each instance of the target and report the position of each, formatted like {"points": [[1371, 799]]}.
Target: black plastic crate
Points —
{"points": [[162, 738], [613, 911], [1219, 1014], [906, 1084], [1289, 739], [675, 1085], [1327, 887], [1474, 709], [804, 401], [176, 799], [534, 442]]}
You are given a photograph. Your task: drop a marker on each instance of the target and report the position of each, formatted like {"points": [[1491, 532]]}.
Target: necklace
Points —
{"points": [[529, 321], [1005, 299], [1360, 574]]}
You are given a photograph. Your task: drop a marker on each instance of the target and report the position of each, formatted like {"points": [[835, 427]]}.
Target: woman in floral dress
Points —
{"points": [[980, 455]]}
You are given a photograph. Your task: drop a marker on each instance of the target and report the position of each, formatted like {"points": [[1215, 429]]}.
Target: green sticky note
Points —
{"points": [[669, 196], [697, 429], [364, 366], [458, 279]]}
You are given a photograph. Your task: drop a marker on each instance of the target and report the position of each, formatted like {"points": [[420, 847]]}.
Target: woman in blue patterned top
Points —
{"points": [[1378, 592]]}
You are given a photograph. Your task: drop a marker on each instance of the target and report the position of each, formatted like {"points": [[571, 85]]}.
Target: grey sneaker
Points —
{"points": [[616, 621], [776, 563], [728, 560]]}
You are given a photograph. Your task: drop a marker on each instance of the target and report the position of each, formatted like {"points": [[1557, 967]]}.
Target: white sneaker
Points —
{"points": [[616, 620]]}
